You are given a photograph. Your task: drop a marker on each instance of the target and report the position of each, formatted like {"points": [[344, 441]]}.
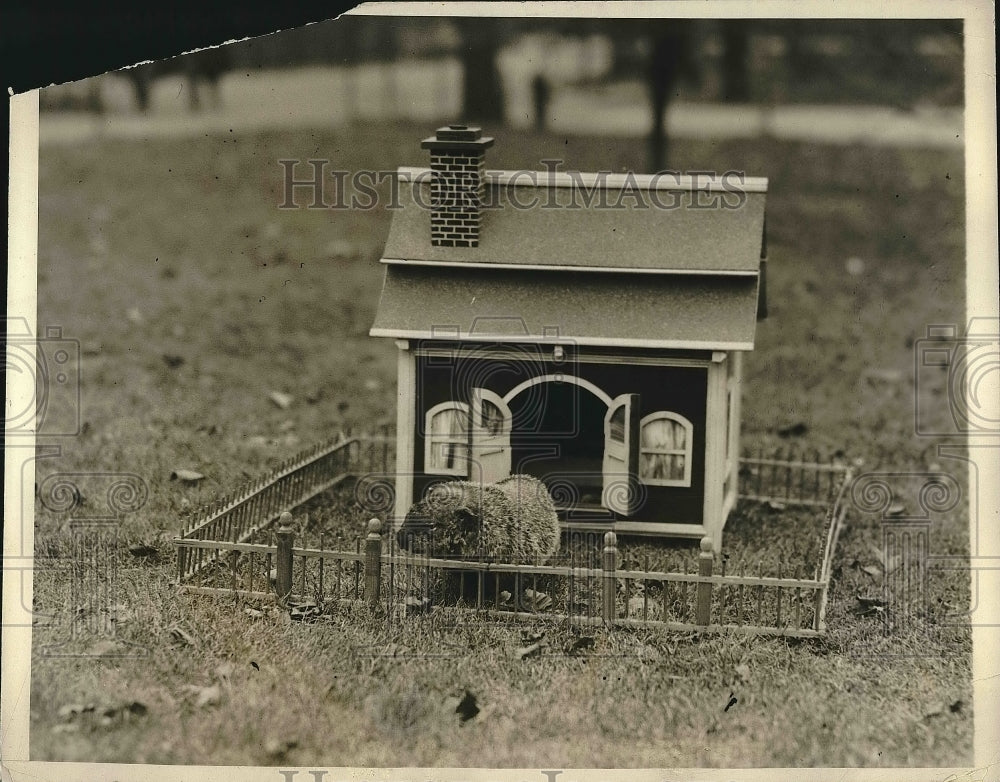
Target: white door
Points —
{"points": [[621, 455], [490, 426]]}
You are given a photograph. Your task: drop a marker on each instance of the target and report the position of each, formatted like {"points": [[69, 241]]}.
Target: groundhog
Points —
{"points": [[512, 521]]}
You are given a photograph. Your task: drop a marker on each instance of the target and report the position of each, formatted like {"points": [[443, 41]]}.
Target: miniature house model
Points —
{"points": [[587, 329]]}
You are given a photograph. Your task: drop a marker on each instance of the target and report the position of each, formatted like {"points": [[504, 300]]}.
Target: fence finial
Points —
{"points": [[373, 561], [610, 565], [706, 560], [283, 555]]}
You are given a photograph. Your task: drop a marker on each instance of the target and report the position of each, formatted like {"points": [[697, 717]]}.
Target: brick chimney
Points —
{"points": [[458, 184]]}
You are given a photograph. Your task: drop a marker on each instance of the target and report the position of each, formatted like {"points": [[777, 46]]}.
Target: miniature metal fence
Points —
{"points": [[594, 591], [792, 476], [397, 583], [236, 517]]}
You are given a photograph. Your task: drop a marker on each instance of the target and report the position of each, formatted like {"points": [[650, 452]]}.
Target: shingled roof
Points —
{"points": [[662, 261]]}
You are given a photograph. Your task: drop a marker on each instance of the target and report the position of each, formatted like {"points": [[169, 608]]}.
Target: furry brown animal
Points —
{"points": [[512, 521]]}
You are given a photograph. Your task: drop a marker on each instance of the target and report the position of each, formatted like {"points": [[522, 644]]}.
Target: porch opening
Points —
{"points": [[558, 437]]}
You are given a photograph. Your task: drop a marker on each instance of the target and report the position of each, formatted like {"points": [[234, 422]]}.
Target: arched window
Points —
{"points": [[665, 448], [446, 439]]}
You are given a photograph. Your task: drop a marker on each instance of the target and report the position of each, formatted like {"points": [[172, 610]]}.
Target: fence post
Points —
{"points": [[181, 563], [610, 565], [286, 537], [373, 561], [703, 609]]}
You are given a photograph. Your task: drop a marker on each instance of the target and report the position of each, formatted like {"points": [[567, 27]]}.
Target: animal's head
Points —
{"points": [[444, 523]]}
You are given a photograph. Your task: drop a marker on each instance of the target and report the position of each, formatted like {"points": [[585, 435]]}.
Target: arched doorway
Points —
{"points": [[557, 436]]}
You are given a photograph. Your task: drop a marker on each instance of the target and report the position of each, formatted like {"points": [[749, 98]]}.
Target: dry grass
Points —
{"points": [[177, 248]]}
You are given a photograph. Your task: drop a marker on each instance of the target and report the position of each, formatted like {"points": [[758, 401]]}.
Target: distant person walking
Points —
{"points": [[541, 92]]}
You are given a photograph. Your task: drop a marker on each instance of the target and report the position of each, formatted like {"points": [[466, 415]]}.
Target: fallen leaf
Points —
{"points": [[281, 399], [206, 696], [871, 570], [278, 748], [776, 505], [180, 634], [137, 708], [583, 642], [188, 476], [528, 651], [869, 601], [71, 710], [538, 601], [467, 707], [934, 711], [793, 430]]}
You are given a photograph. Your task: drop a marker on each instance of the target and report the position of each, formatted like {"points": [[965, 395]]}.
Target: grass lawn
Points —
{"points": [[194, 297]]}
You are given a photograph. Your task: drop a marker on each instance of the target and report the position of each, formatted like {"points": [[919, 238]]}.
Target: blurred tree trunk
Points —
{"points": [[482, 95], [669, 56], [736, 48]]}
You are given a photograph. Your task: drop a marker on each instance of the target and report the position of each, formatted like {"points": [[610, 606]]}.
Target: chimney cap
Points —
{"points": [[457, 136]]}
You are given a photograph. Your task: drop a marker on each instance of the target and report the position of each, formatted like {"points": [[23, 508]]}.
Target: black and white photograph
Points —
{"points": [[509, 391]]}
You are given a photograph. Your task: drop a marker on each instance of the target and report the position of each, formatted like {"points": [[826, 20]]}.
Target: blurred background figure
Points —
{"points": [[615, 77], [541, 92], [201, 71]]}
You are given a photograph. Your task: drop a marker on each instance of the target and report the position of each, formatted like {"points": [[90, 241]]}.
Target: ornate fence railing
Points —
{"points": [[236, 517], [793, 476], [215, 556], [599, 592]]}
